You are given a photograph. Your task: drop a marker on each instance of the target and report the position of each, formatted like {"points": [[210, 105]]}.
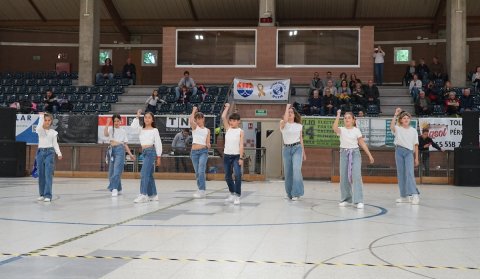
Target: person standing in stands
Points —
{"points": [[293, 153], [152, 154], [424, 143], [233, 154], [379, 59], [50, 101], [406, 156], [188, 82], [179, 148], [316, 83], [45, 158], [129, 71], [200, 147], [422, 70], [106, 72], [152, 101], [116, 153], [351, 160]]}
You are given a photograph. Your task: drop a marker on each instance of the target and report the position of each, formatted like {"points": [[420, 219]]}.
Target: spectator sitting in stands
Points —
{"points": [[466, 101], [188, 82], [315, 102], [358, 94], [50, 101], [361, 113], [476, 79], [343, 101], [129, 71], [415, 87], [452, 104], [329, 102], [329, 77], [447, 88], [152, 101], [343, 88], [330, 86], [64, 104], [316, 83], [410, 71], [343, 76], [371, 94], [432, 93], [422, 70], [353, 81], [106, 71], [26, 106], [184, 96], [422, 105], [436, 70]]}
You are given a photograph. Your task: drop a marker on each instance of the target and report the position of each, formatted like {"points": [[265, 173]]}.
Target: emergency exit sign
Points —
{"points": [[260, 112]]}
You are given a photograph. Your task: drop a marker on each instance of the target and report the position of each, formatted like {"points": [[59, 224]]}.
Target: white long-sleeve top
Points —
{"points": [[148, 136], [47, 138]]}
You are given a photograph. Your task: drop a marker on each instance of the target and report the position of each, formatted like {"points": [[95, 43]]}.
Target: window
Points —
{"points": [[104, 54], [402, 55], [216, 48], [326, 47], [149, 57]]}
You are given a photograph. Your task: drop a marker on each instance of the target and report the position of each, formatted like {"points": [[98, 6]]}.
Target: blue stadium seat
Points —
{"points": [[217, 108], [178, 108], [112, 98], [188, 108], [92, 107], [37, 98], [87, 98], [71, 90], [12, 99], [2, 98], [212, 90], [105, 107], [99, 98], [170, 98], [373, 110], [221, 98], [94, 90], [118, 89], [195, 99], [438, 110], [162, 90], [165, 108], [209, 99], [74, 98], [106, 90], [83, 90], [206, 108]]}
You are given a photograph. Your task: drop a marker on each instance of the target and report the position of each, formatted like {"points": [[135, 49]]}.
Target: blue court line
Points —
{"points": [[383, 211], [10, 260]]}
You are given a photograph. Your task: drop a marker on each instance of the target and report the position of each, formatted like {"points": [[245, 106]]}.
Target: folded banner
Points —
{"points": [[261, 89]]}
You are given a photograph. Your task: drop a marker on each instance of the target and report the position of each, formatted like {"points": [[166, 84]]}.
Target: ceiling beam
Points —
{"points": [[117, 20], [39, 13], [471, 20], [442, 4], [355, 9], [192, 10]]}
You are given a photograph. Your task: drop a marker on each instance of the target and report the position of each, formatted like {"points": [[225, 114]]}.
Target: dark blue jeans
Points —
{"points": [[379, 73], [230, 162], [45, 164], [147, 182]]}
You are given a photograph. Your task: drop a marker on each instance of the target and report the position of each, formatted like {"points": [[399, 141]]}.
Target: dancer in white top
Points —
{"points": [[293, 152], [47, 147], [116, 153], [200, 146], [233, 154], [152, 152], [406, 156], [350, 160]]}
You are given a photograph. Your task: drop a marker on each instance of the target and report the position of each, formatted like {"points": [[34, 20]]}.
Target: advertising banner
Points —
{"points": [[261, 89]]}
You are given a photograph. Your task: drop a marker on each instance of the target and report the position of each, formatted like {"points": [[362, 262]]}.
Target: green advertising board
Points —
{"points": [[318, 132]]}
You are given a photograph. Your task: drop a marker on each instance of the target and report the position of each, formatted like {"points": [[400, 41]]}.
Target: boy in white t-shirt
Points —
{"points": [[350, 160]]}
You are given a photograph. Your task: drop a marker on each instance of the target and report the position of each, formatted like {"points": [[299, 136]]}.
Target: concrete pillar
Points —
{"points": [[456, 41], [89, 41], [266, 10]]}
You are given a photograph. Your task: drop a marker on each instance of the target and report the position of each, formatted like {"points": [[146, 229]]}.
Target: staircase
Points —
{"points": [[392, 97], [133, 99]]}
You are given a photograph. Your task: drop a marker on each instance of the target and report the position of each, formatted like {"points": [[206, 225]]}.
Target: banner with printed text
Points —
{"points": [[261, 90], [446, 132], [168, 127]]}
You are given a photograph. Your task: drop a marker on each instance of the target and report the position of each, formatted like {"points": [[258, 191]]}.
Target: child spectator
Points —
{"points": [[452, 104], [415, 87], [424, 143]]}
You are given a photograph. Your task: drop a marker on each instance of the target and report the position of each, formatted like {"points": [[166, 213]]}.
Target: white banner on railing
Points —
{"points": [[261, 89], [446, 132]]}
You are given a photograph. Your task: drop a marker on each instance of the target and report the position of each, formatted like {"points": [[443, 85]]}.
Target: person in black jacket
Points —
{"points": [[424, 143], [422, 70], [372, 94], [329, 102], [129, 71], [467, 103]]}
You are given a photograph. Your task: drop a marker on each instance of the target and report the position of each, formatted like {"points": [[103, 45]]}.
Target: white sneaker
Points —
{"points": [[236, 200], [415, 199], [295, 198], [287, 197], [199, 194], [141, 199], [344, 204], [360, 205], [40, 198], [114, 192], [153, 198], [230, 198], [47, 200], [403, 200]]}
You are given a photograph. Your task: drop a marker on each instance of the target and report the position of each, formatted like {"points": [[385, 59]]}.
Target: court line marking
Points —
{"points": [[336, 264]]}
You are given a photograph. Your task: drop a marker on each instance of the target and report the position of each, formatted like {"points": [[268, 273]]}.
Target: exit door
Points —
{"points": [[272, 141]]}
